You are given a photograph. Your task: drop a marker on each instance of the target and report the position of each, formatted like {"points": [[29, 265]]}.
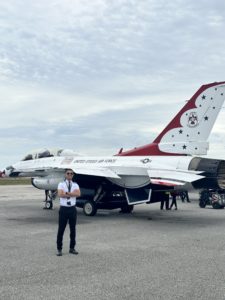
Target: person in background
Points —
{"points": [[174, 199], [184, 196], [165, 199]]}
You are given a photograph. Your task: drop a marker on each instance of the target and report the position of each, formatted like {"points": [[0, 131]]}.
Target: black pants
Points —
{"points": [[67, 214], [174, 201], [166, 201]]}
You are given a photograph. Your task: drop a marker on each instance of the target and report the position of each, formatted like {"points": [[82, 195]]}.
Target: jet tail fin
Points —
{"points": [[189, 130]]}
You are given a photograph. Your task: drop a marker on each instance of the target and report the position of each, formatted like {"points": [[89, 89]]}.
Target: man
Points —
{"points": [[165, 198], [174, 199], [184, 196], [67, 191]]}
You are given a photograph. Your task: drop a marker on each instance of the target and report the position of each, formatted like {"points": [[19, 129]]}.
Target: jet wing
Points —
{"points": [[157, 176], [43, 170], [172, 177]]}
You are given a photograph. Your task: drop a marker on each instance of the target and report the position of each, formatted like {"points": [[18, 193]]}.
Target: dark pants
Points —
{"points": [[166, 201], [174, 201], [67, 214], [184, 196]]}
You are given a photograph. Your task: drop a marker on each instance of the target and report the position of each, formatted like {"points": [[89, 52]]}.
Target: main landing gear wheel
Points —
{"points": [[89, 208], [202, 204]]}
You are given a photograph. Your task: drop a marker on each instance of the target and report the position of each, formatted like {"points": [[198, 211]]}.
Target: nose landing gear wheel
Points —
{"points": [[48, 205]]}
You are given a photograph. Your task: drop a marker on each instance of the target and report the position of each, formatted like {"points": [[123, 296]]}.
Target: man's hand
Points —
{"points": [[62, 194], [75, 193]]}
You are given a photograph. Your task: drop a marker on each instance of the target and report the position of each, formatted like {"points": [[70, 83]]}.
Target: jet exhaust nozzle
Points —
{"points": [[213, 170]]}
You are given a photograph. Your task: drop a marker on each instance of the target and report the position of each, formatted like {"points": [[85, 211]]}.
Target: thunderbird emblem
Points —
{"points": [[192, 119]]}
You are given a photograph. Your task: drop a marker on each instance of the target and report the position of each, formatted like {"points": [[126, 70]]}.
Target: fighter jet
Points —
{"points": [[141, 175]]}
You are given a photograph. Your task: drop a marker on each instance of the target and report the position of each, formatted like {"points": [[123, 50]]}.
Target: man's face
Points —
{"points": [[69, 174]]}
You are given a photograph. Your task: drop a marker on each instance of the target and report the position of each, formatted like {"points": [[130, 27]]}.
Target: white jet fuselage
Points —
{"points": [[127, 172]]}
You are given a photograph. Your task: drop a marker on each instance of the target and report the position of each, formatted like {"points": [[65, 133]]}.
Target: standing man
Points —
{"points": [[174, 199], [67, 191], [184, 196], [165, 198]]}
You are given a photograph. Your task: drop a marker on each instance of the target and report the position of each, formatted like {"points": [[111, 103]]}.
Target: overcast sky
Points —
{"points": [[95, 76]]}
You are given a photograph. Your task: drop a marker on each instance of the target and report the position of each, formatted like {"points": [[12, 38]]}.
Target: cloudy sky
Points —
{"points": [[95, 76]]}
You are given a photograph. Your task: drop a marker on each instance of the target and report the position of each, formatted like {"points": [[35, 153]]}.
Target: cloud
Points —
{"points": [[103, 39]]}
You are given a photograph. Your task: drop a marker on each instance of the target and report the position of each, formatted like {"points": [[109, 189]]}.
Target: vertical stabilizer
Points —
{"points": [[189, 130]]}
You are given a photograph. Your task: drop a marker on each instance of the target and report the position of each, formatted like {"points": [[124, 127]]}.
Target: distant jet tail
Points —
{"points": [[189, 130]]}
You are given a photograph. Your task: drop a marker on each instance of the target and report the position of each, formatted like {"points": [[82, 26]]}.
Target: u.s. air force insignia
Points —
{"points": [[145, 160], [192, 119]]}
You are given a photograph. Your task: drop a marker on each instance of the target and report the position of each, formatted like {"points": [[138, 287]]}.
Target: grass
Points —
{"points": [[15, 181]]}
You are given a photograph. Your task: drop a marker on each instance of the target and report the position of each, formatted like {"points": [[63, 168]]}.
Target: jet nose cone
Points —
{"points": [[8, 171]]}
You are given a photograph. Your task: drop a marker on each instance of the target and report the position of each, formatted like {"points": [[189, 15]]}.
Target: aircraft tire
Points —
{"points": [[202, 204], [48, 205], [89, 208]]}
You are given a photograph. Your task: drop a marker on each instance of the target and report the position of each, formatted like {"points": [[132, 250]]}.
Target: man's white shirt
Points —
{"points": [[65, 187]]}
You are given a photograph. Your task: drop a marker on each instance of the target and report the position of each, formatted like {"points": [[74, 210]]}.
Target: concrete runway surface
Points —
{"points": [[149, 254]]}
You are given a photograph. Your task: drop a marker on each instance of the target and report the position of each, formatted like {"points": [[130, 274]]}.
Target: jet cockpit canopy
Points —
{"points": [[48, 152]]}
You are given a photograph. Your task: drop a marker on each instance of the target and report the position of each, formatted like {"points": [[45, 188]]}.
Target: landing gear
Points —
{"points": [[216, 198], [89, 208], [217, 201], [202, 204], [50, 195], [204, 198], [105, 196], [48, 205]]}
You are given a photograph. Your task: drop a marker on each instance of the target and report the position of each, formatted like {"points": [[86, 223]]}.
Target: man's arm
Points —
{"points": [[62, 194], [75, 193]]}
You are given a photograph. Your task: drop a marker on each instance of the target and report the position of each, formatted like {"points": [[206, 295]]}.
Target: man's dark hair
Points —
{"points": [[69, 170]]}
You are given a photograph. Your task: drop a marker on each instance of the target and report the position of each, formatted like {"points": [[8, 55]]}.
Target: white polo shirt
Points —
{"points": [[65, 187]]}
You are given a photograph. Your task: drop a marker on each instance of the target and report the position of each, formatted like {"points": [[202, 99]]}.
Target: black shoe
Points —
{"points": [[59, 253], [73, 251]]}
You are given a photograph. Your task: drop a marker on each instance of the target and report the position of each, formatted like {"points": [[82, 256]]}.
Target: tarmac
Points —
{"points": [[149, 254]]}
